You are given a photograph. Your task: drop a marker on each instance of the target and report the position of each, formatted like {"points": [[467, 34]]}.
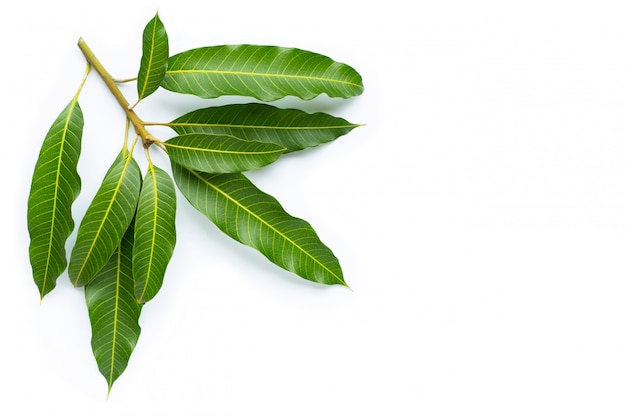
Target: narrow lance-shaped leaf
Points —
{"points": [[290, 128], [113, 312], [154, 59], [55, 186], [155, 232], [256, 219], [106, 219], [263, 72], [220, 153]]}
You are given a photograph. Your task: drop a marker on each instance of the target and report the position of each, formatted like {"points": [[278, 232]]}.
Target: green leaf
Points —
{"points": [[292, 129], [256, 219], [107, 218], [263, 72], [113, 312], [55, 186], [155, 233], [220, 153], [154, 59]]}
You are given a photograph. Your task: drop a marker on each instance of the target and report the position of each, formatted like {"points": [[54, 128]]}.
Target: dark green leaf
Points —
{"points": [[264, 72], [154, 59], [220, 153], [106, 219], [256, 219], [289, 128], [55, 186], [155, 232], [113, 312]]}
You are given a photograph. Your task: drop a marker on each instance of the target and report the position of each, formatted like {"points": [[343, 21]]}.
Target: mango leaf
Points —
{"points": [[290, 128], [155, 233], [106, 219], [220, 153], [55, 186], [256, 219], [113, 312], [263, 72], [154, 59]]}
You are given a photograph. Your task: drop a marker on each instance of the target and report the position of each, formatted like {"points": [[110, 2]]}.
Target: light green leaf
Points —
{"points": [[292, 129], [113, 312], [154, 59], [256, 219], [55, 186], [220, 153], [106, 219], [155, 233], [263, 72]]}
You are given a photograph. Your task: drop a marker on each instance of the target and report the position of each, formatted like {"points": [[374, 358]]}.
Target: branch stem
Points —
{"points": [[137, 123]]}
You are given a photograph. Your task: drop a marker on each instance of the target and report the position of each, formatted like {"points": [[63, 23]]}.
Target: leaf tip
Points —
{"points": [[42, 294], [340, 281]]}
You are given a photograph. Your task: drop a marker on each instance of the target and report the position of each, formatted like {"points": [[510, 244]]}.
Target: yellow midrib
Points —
{"points": [[145, 84], [104, 218], [262, 127], [56, 190], [154, 223], [189, 148], [71, 108], [268, 225], [264, 74], [116, 310]]}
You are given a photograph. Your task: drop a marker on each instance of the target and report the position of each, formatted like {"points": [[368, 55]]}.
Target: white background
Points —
{"points": [[479, 217]]}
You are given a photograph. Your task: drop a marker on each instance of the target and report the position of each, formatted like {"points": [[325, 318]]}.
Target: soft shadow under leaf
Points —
{"points": [[256, 219]]}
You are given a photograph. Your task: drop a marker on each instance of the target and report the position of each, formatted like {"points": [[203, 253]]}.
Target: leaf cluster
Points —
{"points": [[127, 235]]}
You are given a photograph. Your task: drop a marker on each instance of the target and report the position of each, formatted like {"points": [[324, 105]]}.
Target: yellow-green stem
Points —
{"points": [[138, 124]]}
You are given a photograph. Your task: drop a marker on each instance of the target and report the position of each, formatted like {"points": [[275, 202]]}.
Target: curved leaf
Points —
{"points": [[256, 219], [263, 72], [55, 186], [113, 312], [106, 219], [154, 59], [155, 232], [220, 153], [292, 129]]}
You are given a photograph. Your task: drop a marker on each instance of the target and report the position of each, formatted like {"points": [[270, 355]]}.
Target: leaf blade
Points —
{"points": [[113, 312], [256, 219], [220, 153], [290, 128], [155, 233], [106, 219], [264, 72], [55, 186], [155, 52]]}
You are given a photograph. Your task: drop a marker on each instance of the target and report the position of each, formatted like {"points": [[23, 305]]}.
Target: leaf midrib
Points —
{"points": [[106, 215], [238, 204], [152, 49], [189, 148], [115, 314], [154, 231], [56, 190], [264, 74], [176, 124]]}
